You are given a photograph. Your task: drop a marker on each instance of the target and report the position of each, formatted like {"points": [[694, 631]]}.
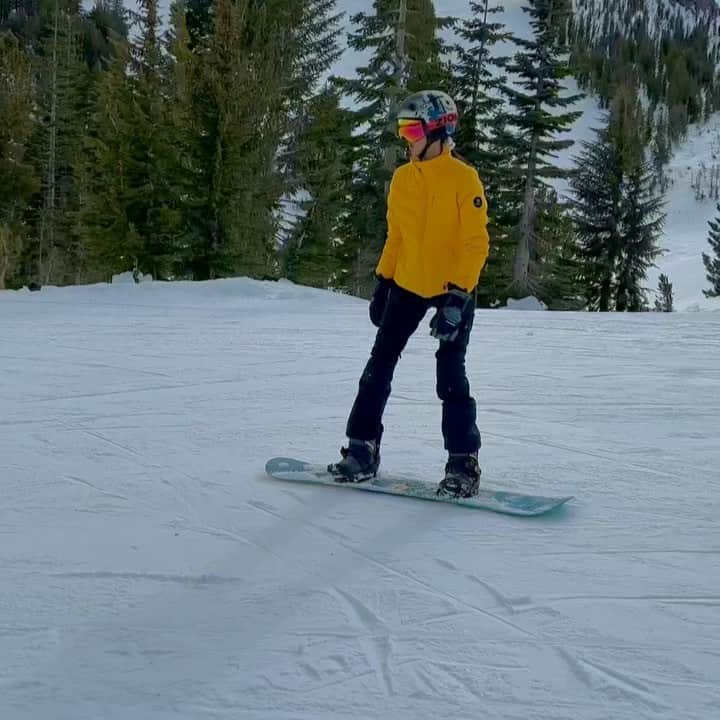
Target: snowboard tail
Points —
{"points": [[509, 503]]}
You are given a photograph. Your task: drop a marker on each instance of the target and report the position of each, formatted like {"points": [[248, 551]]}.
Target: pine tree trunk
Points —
{"points": [[521, 267], [621, 300], [522, 281], [607, 284], [48, 230], [604, 304], [4, 255], [476, 71], [390, 154], [606, 287]]}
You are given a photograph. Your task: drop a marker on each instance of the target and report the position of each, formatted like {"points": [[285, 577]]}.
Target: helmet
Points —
{"points": [[432, 111]]}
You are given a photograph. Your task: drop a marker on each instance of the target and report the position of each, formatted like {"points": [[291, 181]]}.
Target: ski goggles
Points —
{"points": [[411, 130]]}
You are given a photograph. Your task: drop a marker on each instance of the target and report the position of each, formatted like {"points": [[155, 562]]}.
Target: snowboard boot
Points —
{"points": [[359, 463], [462, 476]]}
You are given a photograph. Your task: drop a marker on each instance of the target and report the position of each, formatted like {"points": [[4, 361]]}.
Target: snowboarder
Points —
{"points": [[436, 247]]}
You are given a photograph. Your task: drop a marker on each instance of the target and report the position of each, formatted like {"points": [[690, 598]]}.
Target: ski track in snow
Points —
{"points": [[151, 570]]}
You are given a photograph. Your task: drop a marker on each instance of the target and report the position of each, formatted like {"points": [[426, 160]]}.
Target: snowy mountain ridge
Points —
{"points": [[693, 171], [621, 13], [620, 18]]}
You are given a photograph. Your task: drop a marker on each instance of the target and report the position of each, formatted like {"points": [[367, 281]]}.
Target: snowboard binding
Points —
{"points": [[462, 477], [360, 462]]}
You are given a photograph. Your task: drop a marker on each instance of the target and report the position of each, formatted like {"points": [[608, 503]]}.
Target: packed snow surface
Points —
{"points": [[151, 570]]}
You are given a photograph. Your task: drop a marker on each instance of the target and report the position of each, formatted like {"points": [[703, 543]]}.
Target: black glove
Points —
{"points": [[449, 319], [379, 300]]}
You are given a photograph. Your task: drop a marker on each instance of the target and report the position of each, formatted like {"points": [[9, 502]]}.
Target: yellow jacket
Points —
{"points": [[437, 226]]}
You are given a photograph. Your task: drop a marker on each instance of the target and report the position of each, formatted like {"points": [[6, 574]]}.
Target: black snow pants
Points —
{"points": [[403, 315]]}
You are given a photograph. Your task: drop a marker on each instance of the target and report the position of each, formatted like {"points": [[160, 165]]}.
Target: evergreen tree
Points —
{"points": [[309, 50], [111, 242], [17, 177], [618, 217], [21, 17], [241, 121], [106, 22], [69, 48], [133, 216], [642, 221], [477, 87], [628, 128], [315, 154], [157, 199], [664, 301], [192, 174], [63, 106], [560, 272], [598, 188], [712, 264], [661, 151], [406, 56], [198, 20], [314, 250], [535, 121], [314, 48]]}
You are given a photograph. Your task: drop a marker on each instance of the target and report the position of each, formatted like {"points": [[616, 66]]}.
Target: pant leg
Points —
{"points": [[459, 411], [403, 314]]}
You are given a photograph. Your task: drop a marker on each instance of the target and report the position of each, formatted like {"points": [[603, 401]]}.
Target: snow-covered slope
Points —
{"points": [[150, 570], [692, 201], [607, 18]]}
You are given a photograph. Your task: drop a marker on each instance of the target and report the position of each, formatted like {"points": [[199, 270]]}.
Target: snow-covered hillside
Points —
{"points": [[607, 18], [692, 201], [150, 570]]}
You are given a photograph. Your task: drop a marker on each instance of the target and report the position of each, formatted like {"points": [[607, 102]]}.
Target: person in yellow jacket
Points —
{"points": [[436, 247]]}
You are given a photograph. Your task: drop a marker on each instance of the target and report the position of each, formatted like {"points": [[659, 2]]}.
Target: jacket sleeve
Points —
{"points": [[388, 259], [474, 237]]}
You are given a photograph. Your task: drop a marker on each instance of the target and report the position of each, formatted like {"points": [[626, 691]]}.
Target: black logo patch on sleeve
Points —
{"points": [[478, 202]]}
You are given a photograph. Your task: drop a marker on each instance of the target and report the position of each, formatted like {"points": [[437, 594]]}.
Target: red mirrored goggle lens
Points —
{"points": [[411, 130]]}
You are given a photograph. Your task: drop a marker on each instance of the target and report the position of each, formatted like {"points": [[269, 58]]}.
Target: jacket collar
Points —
{"points": [[444, 154]]}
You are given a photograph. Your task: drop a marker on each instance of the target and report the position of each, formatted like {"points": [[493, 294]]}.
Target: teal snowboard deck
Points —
{"points": [[500, 501]]}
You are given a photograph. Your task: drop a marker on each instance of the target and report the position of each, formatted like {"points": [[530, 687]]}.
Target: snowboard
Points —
{"points": [[500, 501]]}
